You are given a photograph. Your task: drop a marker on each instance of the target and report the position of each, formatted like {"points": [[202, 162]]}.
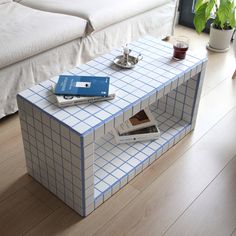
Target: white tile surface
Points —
{"points": [[56, 148]]}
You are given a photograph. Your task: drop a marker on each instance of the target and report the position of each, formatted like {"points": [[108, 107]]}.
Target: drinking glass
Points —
{"points": [[180, 44]]}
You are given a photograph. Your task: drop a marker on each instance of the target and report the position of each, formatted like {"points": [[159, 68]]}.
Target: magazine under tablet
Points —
{"points": [[144, 134]]}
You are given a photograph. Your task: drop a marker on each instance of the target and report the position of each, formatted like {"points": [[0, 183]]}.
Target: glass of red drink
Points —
{"points": [[180, 45]]}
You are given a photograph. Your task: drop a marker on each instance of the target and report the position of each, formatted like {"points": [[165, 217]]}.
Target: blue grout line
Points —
{"points": [[83, 177]]}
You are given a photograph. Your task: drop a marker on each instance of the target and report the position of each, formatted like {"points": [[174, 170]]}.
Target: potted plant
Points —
{"points": [[222, 13]]}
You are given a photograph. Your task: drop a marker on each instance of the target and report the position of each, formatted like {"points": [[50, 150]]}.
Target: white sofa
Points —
{"points": [[41, 39]]}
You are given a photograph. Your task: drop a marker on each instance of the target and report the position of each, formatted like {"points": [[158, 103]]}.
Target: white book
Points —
{"points": [[64, 101], [144, 134], [142, 119]]}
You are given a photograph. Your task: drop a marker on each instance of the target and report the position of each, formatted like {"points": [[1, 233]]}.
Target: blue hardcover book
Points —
{"points": [[71, 85]]}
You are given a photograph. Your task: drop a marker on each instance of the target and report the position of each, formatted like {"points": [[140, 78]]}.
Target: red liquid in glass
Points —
{"points": [[180, 52]]}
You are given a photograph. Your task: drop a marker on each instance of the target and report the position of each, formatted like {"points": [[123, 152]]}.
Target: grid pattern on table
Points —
{"points": [[59, 142], [55, 157], [155, 74], [180, 101], [116, 164]]}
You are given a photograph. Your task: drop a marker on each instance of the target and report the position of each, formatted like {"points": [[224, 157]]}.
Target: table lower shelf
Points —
{"points": [[116, 164]]}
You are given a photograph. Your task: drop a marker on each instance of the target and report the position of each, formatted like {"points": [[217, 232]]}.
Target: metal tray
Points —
{"points": [[132, 61]]}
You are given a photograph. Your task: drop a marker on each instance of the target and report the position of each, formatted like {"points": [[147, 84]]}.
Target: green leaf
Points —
{"points": [[198, 4], [200, 18], [209, 8], [232, 19], [224, 12]]}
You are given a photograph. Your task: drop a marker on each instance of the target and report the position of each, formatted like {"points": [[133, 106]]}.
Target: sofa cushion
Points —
{"points": [[4, 1], [99, 13], [26, 32]]}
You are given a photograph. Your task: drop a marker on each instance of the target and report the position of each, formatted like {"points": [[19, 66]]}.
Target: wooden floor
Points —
{"points": [[190, 190]]}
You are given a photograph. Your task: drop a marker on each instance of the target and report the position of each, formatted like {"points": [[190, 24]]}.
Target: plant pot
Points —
{"points": [[219, 39]]}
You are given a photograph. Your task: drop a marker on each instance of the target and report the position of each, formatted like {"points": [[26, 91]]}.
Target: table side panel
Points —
{"points": [[57, 158]]}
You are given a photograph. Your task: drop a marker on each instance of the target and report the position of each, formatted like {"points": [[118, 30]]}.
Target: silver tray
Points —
{"points": [[132, 61]]}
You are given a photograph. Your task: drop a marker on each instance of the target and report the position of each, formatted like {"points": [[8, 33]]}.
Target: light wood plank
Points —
{"points": [[67, 222], [13, 176], [212, 213], [11, 148], [20, 212], [10, 138], [9, 126], [12, 160], [155, 209], [45, 196], [226, 61]]}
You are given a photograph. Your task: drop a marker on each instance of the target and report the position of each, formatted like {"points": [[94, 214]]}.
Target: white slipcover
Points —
{"points": [[26, 32], [99, 13], [23, 74]]}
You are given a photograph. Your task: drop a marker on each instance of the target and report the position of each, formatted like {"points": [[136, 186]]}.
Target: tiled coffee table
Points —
{"points": [[71, 151]]}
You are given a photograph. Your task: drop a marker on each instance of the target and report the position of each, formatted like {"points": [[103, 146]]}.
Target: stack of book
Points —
{"points": [[140, 127], [74, 90]]}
